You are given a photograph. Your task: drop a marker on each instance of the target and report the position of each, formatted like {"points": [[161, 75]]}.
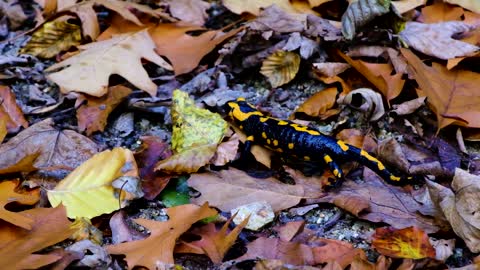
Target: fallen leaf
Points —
{"points": [[441, 12], [407, 5], [3, 129], [94, 256], [450, 93], [238, 189], [287, 231], [121, 230], [10, 113], [409, 107], [9, 195], [53, 37], [410, 243], [382, 263], [255, 6], [359, 13], [280, 67], [93, 115], [88, 72], [158, 247], [42, 147], [190, 11], [50, 226], [214, 243], [88, 191], [370, 102], [258, 214], [436, 39], [226, 151], [196, 134], [330, 69], [320, 104], [277, 19], [468, 4], [443, 248]]}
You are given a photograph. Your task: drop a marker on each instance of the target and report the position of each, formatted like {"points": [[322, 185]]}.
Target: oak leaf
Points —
{"points": [[451, 94], [9, 195], [93, 115], [238, 189], [410, 243], [41, 146], [88, 72], [50, 226], [10, 113], [157, 248]]}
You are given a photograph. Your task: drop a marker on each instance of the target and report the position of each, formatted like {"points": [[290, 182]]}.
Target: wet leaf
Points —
{"points": [[9, 195], [359, 13], [410, 243], [158, 247], [53, 37], [41, 146], [280, 67], [88, 72], [10, 113], [88, 191]]}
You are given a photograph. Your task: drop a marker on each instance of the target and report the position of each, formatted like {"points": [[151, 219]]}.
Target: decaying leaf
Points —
{"points": [[330, 69], [436, 39], [407, 5], [410, 243], [93, 115], [450, 93], [255, 6], [238, 188], [196, 134], [443, 248], [88, 191], [280, 67], [472, 5], [10, 112], [9, 195], [157, 248], [191, 11], [53, 37], [409, 107], [226, 151], [277, 19], [41, 146], [88, 72], [359, 13], [371, 102], [320, 104]]}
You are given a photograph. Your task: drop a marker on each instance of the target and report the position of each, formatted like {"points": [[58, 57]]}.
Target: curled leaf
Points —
{"points": [[361, 12], [280, 67], [371, 102]]}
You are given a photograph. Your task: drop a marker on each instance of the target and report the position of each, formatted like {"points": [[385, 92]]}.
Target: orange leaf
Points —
{"points": [[320, 104], [409, 243], [8, 195], [93, 116], [9, 110], [441, 12], [157, 249], [214, 243], [379, 75], [452, 94]]}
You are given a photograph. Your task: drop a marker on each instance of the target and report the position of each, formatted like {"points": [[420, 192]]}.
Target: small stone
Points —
{"points": [[261, 213]]}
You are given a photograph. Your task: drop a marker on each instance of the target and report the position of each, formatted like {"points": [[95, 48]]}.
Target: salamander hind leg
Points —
{"points": [[336, 171]]}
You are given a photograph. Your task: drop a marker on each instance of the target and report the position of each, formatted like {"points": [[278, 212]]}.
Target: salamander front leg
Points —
{"points": [[336, 171]]}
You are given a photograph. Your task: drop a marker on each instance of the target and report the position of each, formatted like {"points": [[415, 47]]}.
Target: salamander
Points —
{"points": [[304, 143]]}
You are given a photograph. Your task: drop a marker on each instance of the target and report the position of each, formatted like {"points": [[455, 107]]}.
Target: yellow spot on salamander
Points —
{"points": [[241, 127], [365, 154], [304, 129], [306, 158], [327, 159], [336, 173], [250, 138], [290, 146], [282, 123], [264, 135], [394, 178], [275, 142], [263, 119], [238, 114], [343, 145], [240, 99], [268, 141], [280, 150]]}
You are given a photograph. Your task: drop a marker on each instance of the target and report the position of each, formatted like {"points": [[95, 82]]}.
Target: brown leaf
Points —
{"points": [[388, 204], [287, 231], [10, 112], [93, 115], [408, 107], [277, 19], [410, 243], [370, 103], [9, 195], [280, 67], [50, 227], [330, 69], [238, 189], [320, 104], [255, 6], [226, 151], [451, 94], [41, 146], [190, 11], [157, 248], [441, 12], [360, 263], [121, 231], [187, 161]]}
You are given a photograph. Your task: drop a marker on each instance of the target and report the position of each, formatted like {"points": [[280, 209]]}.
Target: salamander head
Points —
{"points": [[240, 110]]}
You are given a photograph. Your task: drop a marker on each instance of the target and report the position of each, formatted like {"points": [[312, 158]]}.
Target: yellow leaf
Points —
{"points": [[53, 37], [280, 67], [88, 72], [87, 191]]}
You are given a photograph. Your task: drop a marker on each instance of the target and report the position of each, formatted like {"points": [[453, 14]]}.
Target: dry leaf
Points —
{"points": [[330, 69], [320, 104], [93, 115], [408, 107], [280, 67], [226, 151], [472, 5], [436, 39], [371, 103], [10, 113], [451, 94], [255, 6], [287, 231], [9, 195], [443, 248], [157, 249], [41, 146], [277, 19], [190, 11], [359, 13], [88, 72], [410, 243], [441, 12], [407, 5], [238, 189]]}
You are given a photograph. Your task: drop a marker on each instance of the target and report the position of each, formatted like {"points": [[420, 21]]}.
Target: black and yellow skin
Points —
{"points": [[303, 142]]}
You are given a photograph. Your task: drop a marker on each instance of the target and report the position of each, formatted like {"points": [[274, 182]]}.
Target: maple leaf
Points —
{"points": [[8, 195], [50, 226], [41, 146], [93, 115], [88, 72], [410, 242], [157, 249], [214, 243], [451, 94], [10, 112]]}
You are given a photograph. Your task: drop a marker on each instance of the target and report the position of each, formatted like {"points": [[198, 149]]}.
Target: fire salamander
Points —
{"points": [[303, 143]]}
